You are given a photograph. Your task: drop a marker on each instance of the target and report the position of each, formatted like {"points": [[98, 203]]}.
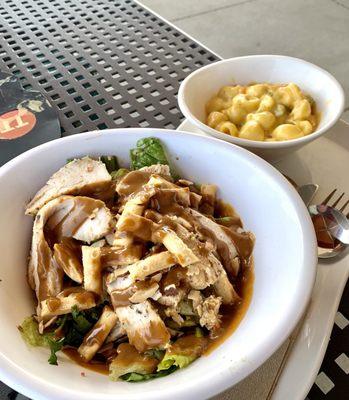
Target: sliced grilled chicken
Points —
{"points": [[68, 260], [158, 169], [204, 272], [206, 308], [124, 291], [223, 287], [144, 328], [81, 176], [79, 217], [225, 245]]}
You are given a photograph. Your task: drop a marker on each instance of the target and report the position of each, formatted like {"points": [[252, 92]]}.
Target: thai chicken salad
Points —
{"points": [[136, 271]]}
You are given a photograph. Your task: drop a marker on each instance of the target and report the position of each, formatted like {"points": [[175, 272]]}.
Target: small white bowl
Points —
{"points": [[285, 261], [202, 84]]}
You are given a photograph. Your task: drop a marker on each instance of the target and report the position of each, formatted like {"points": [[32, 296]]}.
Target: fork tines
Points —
{"points": [[334, 204]]}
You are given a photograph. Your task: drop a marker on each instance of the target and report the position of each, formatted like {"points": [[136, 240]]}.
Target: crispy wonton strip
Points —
{"points": [[122, 239], [62, 305], [159, 182], [138, 226], [142, 295], [111, 276], [114, 257], [136, 204], [180, 195], [96, 336], [149, 230], [91, 261], [176, 246], [155, 263]]}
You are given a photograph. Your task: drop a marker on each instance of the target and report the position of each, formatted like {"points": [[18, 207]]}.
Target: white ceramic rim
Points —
{"points": [[254, 143], [35, 387]]}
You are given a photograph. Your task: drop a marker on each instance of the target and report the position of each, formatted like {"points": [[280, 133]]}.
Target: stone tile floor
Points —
{"points": [[316, 30]]}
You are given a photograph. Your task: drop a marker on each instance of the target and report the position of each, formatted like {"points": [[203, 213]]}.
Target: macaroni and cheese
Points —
{"points": [[262, 111]]}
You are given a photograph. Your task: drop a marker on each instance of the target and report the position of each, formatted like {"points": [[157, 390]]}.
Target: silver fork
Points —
{"points": [[331, 226], [329, 197]]}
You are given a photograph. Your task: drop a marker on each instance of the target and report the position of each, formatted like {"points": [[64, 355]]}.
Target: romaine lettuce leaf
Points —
{"points": [[177, 360], [30, 333], [149, 151], [155, 353], [184, 351], [111, 163], [199, 333], [129, 361], [119, 173], [224, 220], [69, 330], [186, 308], [135, 377], [29, 330]]}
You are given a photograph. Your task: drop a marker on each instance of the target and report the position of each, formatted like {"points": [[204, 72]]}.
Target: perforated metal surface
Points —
{"points": [[103, 64]]}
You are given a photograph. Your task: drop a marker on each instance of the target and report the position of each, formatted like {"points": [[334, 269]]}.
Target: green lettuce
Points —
{"points": [[149, 151], [111, 163], [82, 323], [182, 353], [119, 173], [29, 330], [224, 220], [186, 308], [135, 377], [199, 333], [69, 330], [141, 364], [55, 346], [74, 326], [176, 360], [155, 353]]}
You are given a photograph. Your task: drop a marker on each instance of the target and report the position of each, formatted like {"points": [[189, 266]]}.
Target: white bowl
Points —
{"points": [[204, 83], [285, 260]]}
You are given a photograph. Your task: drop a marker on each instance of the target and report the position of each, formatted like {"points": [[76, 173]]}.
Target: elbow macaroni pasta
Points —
{"points": [[263, 112]]}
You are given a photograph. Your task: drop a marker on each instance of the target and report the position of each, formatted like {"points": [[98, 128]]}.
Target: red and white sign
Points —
{"points": [[16, 123]]}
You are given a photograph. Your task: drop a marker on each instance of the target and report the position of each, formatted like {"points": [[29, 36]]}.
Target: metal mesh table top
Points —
{"points": [[102, 64]]}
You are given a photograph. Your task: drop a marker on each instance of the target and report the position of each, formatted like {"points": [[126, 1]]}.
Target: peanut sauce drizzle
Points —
{"points": [[167, 204]]}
